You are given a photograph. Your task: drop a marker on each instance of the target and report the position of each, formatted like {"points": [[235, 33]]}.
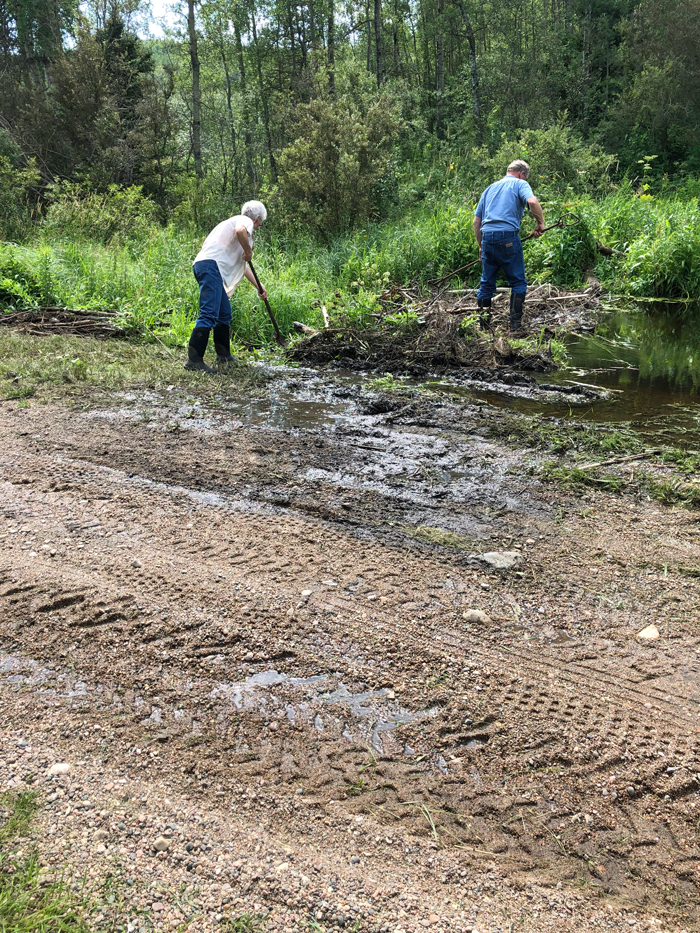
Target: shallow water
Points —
{"points": [[651, 364]]}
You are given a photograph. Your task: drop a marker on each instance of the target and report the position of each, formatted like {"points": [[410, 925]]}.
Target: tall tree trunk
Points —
{"points": [[378, 40], [196, 93], [440, 73], [474, 74], [263, 98], [312, 24], [395, 37], [369, 36], [248, 141], [331, 47]]}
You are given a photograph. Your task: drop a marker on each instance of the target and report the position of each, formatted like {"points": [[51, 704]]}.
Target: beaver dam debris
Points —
{"points": [[416, 334]]}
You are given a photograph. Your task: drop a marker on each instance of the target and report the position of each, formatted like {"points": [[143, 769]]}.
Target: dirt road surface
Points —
{"points": [[247, 629]]}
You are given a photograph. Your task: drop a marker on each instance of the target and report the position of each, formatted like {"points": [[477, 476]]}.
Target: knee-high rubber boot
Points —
{"points": [[196, 350], [516, 312], [222, 343], [484, 306]]}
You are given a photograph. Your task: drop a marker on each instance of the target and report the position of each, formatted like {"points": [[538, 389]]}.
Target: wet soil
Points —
{"points": [[261, 606], [418, 333]]}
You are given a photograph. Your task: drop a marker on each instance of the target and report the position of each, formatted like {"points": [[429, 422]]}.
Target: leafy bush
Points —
{"points": [[562, 256], [20, 285], [667, 264], [336, 171], [16, 186], [117, 214], [560, 161]]}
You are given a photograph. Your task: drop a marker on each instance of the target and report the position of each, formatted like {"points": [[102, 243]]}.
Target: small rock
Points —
{"points": [[306, 592], [631, 791], [501, 560], [136, 562], [649, 633], [60, 768], [354, 860], [476, 615], [161, 844]]}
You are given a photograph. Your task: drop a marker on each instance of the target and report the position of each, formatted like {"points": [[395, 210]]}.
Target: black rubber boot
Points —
{"points": [[516, 312], [484, 306], [196, 350], [222, 343]]}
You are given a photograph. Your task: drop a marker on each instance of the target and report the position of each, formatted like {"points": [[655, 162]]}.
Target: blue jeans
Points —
{"points": [[501, 249], [214, 306]]}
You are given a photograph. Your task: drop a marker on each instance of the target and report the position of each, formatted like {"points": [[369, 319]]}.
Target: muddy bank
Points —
{"points": [[417, 334], [360, 622]]}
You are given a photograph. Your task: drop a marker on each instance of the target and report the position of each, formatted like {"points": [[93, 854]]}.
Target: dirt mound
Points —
{"points": [[414, 333]]}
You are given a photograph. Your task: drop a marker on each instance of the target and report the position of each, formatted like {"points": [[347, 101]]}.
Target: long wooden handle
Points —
{"points": [[278, 335]]}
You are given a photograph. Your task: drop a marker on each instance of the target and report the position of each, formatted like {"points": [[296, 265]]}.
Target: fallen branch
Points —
{"points": [[613, 460]]}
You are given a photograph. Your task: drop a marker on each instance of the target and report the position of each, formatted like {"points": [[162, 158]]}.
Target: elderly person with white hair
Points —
{"points": [[497, 229], [218, 267]]}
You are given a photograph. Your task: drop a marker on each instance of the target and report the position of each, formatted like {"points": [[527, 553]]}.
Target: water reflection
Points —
{"points": [[650, 361]]}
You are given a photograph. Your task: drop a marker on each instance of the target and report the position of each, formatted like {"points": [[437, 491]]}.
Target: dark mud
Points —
{"points": [[418, 335]]}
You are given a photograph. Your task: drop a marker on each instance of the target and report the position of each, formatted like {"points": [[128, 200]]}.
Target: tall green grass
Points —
{"points": [[144, 272]]}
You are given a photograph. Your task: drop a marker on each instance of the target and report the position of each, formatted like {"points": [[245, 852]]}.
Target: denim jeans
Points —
{"points": [[214, 306], [501, 249]]}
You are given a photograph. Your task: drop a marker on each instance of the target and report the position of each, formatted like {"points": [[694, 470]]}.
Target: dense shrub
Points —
{"points": [[117, 214], [17, 198], [335, 173], [560, 161]]}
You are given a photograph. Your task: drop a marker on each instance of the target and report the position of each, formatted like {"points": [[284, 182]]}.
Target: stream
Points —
{"points": [[650, 362]]}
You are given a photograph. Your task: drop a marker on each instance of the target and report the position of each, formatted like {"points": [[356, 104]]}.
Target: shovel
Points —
{"points": [[278, 335]]}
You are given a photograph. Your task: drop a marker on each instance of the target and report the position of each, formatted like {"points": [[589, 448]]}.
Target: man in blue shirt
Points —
{"points": [[496, 226]]}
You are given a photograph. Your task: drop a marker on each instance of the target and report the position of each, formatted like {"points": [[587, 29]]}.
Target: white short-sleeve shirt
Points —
{"points": [[223, 247]]}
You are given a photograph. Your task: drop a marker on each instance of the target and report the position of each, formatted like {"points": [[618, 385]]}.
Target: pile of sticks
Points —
{"points": [[49, 320]]}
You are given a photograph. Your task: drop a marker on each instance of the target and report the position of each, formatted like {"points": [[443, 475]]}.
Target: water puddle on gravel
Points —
{"points": [[323, 702]]}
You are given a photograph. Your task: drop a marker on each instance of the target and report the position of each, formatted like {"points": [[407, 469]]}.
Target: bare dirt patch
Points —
{"points": [[252, 614]]}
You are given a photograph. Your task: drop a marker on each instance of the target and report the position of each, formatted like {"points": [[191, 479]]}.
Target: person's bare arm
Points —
{"points": [[244, 239], [477, 232], [536, 210], [251, 278]]}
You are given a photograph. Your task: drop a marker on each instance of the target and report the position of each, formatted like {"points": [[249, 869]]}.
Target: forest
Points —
{"points": [[368, 128]]}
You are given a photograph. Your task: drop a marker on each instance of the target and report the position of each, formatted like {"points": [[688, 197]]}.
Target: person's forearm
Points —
{"points": [[536, 211], [477, 230], [244, 240], [251, 278]]}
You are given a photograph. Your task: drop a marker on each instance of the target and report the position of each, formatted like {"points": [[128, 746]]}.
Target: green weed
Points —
{"points": [[246, 923], [47, 367], [32, 901]]}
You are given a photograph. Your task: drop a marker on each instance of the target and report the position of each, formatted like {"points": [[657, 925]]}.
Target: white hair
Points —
{"points": [[519, 166], [254, 210]]}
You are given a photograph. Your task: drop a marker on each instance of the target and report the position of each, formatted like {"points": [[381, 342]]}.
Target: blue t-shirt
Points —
{"points": [[501, 206]]}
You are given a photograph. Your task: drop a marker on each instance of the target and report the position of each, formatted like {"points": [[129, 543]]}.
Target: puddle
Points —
{"points": [[361, 717]]}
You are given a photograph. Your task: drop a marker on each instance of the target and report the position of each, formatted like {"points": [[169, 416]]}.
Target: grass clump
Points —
{"points": [[56, 366], [443, 538], [30, 900], [673, 491], [563, 437]]}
